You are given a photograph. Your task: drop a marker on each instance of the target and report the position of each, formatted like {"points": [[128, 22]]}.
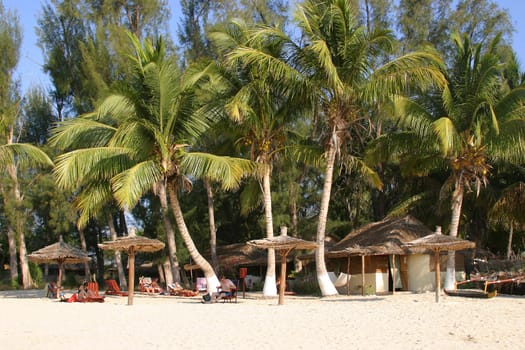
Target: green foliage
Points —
{"points": [[36, 274], [306, 286]]}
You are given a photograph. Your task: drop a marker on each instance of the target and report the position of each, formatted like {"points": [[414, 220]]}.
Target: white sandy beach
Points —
{"points": [[400, 321]]}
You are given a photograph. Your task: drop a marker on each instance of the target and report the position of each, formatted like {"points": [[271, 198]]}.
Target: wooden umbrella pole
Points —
{"points": [[59, 281], [438, 274], [131, 275], [348, 277], [363, 275], [393, 274], [282, 286]]}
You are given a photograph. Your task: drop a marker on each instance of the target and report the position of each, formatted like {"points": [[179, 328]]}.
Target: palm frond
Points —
{"points": [[24, 155], [74, 168], [227, 171], [91, 200], [80, 133], [445, 130], [131, 184]]}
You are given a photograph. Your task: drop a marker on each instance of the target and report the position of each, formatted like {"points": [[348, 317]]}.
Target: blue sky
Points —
{"points": [[30, 66]]}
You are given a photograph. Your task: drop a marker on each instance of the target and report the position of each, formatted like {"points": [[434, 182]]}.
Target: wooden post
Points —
{"points": [[131, 275], [348, 277], [282, 286], [438, 274], [393, 274], [363, 275]]}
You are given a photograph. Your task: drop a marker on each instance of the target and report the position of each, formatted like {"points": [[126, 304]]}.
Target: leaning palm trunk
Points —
{"points": [[213, 229], [118, 258], [325, 284], [457, 202], [270, 286], [212, 282]]}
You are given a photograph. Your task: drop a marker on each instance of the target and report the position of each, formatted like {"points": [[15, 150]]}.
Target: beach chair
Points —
{"points": [[94, 297], [229, 296], [112, 288], [201, 285]]}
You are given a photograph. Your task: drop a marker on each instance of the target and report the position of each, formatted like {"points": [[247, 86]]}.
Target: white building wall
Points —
{"points": [[420, 279]]}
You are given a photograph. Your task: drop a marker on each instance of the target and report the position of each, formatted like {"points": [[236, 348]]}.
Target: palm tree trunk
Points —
{"points": [[211, 279], [325, 284], [13, 265], [457, 202], [118, 257], [270, 286], [213, 229], [83, 245], [170, 233], [509, 245]]}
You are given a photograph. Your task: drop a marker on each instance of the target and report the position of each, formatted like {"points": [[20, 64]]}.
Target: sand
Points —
{"points": [[401, 321]]}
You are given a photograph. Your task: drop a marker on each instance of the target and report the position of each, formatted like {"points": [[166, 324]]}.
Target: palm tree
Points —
{"points": [[473, 119], [143, 133], [262, 109], [508, 211], [336, 67]]}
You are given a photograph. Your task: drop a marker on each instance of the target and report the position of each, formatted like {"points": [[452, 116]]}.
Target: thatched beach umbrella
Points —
{"points": [[132, 244], [438, 242], [59, 253], [283, 244]]}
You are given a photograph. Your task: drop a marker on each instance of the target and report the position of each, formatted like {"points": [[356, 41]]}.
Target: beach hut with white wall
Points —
{"points": [[377, 260]]}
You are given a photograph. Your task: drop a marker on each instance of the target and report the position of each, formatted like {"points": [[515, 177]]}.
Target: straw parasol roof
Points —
{"points": [[438, 242], [132, 244], [237, 254], [59, 253], [381, 238], [283, 244], [137, 243]]}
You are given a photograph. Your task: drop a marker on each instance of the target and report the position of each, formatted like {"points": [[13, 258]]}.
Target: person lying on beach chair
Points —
{"points": [[177, 290], [156, 287]]}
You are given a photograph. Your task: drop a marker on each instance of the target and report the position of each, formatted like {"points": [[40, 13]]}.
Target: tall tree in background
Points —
{"points": [[14, 156]]}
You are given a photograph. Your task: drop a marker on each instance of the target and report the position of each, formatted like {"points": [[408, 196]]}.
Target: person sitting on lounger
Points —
{"points": [[84, 293], [52, 290], [226, 288]]}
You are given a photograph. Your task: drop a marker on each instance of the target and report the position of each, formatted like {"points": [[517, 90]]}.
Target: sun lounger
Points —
{"points": [[93, 296], [112, 288]]}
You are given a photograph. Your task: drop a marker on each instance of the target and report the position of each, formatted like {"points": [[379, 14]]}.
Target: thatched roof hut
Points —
{"points": [[384, 237], [371, 250]]}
